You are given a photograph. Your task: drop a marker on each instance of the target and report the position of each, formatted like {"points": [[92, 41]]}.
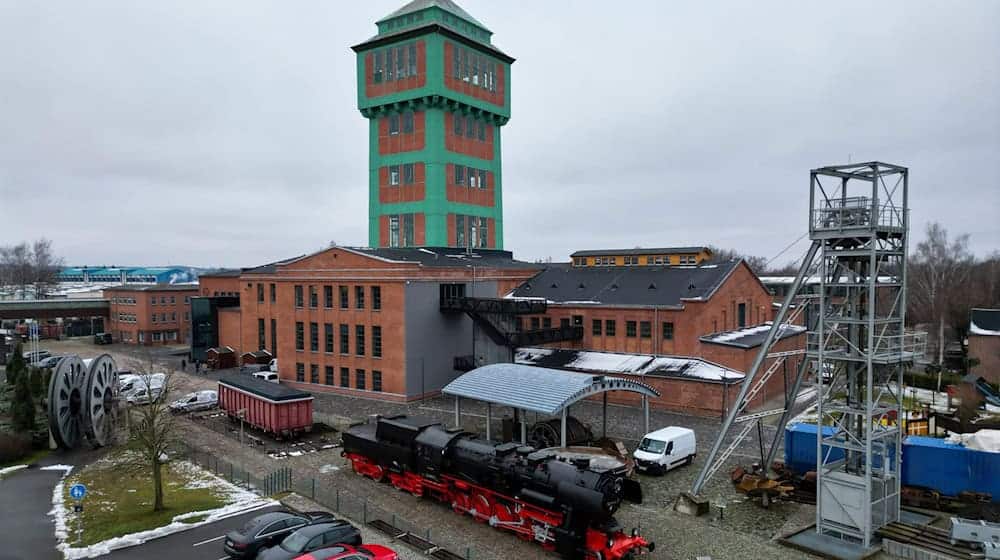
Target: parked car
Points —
{"points": [[269, 376], [348, 552], [267, 530], [130, 382], [50, 362], [193, 402], [102, 338], [144, 389], [665, 449], [312, 537]]}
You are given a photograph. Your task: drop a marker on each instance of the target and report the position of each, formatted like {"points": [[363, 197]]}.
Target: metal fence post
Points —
{"points": [[313, 488], [337, 509]]}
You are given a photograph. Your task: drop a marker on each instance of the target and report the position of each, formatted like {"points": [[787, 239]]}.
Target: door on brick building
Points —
{"points": [[741, 315]]}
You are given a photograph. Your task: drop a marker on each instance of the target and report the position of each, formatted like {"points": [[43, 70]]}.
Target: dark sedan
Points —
{"points": [[267, 530], [313, 537]]}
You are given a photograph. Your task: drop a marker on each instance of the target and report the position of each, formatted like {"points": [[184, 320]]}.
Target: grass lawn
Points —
{"points": [[120, 502]]}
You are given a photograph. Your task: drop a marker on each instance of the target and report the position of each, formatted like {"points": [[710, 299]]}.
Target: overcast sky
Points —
{"points": [[227, 133]]}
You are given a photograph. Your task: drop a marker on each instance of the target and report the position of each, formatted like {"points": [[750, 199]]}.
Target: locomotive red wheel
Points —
{"points": [[482, 508], [460, 504], [377, 474]]}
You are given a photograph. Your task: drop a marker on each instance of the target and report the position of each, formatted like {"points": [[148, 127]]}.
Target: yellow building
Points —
{"points": [[642, 256]]}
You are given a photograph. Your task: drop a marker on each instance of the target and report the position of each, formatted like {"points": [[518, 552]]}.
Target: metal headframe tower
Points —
{"points": [[854, 316], [859, 218]]}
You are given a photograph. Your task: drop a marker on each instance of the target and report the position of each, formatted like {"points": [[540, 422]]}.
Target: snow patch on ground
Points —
{"points": [[328, 469], [7, 470], [238, 501]]}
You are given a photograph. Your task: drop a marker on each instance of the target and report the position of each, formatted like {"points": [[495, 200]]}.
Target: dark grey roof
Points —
{"points": [[984, 321], [638, 251], [269, 268], [627, 285], [591, 361], [751, 337], [154, 287], [222, 273], [265, 389], [447, 257], [446, 5], [541, 390]]}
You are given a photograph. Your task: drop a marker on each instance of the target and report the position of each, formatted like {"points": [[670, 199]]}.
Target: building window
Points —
{"points": [[300, 372], [359, 379], [668, 331], [378, 63], [313, 373], [300, 343], [481, 133], [407, 230], [359, 340], [546, 323], [299, 300], [407, 122], [394, 231], [187, 300], [393, 124], [408, 174], [577, 320], [345, 377], [274, 338], [596, 330], [313, 297], [459, 174], [359, 297], [274, 293], [313, 337], [343, 297], [645, 329], [460, 230], [328, 297], [411, 50], [260, 293], [630, 330], [328, 337], [609, 327], [345, 343], [377, 341], [157, 337], [187, 315], [376, 297], [376, 380], [328, 375], [393, 175], [564, 323], [154, 317], [153, 301], [261, 335], [535, 323]]}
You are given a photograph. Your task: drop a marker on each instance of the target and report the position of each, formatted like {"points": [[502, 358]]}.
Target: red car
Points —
{"points": [[348, 552]]}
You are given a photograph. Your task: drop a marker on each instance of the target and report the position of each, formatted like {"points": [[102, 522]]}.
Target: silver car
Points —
{"points": [[193, 402]]}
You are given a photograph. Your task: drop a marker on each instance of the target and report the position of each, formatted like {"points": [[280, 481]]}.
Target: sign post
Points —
{"points": [[77, 492]]}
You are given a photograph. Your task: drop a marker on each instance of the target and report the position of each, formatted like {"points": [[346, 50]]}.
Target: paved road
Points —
{"points": [[201, 543], [26, 498]]}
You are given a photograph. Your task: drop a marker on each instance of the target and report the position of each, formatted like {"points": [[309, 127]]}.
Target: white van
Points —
{"points": [[142, 395], [665, 449], [127, 385], [269, 376]]}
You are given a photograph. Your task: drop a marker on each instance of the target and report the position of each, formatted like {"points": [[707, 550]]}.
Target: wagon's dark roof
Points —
{"points": [[265, 389]]}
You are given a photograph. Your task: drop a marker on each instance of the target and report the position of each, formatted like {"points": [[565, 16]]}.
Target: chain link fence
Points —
{"points": [[436, 544]]}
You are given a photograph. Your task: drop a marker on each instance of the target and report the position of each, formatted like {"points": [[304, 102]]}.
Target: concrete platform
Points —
{"points": [[808, 540]]}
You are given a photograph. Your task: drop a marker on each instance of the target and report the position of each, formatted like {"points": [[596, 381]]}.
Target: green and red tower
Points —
{"points": [[435, 92]]}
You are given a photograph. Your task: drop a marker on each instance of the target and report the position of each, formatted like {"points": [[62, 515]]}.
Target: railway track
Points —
{"points": [[930, 539]]}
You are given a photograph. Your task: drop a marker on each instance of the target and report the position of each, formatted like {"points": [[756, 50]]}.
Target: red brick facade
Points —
{"points": [[468, 143], [386, 86], [456, 83], [222, 285], [419, 230], [401, 141], [402, 191], [479, 196], [150, 315], [986, 349]]}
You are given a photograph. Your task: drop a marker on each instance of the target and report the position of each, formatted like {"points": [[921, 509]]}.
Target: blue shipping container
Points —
{"points": [[927, 462]]}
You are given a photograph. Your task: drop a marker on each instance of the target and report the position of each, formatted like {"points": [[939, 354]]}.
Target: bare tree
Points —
{"points": [[25, 266], [151, 426], [45, 266], [939, 274], [756, 263]]}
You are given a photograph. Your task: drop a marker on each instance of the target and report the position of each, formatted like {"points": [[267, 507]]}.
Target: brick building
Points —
{"points": [[367, 321], [984, 343], [642, 256], [151, 314], [436, 93]]}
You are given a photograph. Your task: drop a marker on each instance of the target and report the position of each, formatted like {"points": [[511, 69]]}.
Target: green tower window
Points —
{"points": [[459, 175], [393, 174], [407, 122], [408, 173], [412, 51], [378, 65], [393, 124]]}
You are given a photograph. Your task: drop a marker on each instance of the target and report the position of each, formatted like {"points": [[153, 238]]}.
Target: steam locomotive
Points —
{"points": [[567, 506]]}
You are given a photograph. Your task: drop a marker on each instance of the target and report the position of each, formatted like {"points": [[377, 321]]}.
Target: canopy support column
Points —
{"points": [[458, 412], [524, 427], [562, 429], [604, 415], [489, 419], [645, 412]]}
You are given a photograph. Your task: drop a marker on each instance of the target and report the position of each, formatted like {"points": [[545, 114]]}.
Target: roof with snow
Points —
{"points": [[695, 369], [447, 256], [536, 389], [984, 322], [627, 285], [751, 337]]}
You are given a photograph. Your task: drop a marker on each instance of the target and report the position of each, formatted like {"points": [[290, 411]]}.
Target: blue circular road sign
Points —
{"points": [[77, 491]]}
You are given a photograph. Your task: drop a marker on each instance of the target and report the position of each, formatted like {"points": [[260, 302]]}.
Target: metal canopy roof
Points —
{"points": [[542, 390]]}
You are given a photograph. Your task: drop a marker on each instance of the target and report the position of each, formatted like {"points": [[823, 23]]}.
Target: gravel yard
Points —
{"points": [[744, 531]]}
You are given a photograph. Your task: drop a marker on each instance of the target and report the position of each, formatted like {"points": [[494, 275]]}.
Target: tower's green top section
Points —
{"points": [[445, 12]]}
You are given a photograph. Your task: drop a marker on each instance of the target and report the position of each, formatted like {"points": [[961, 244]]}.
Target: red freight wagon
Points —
{"points": [[273, 408]]}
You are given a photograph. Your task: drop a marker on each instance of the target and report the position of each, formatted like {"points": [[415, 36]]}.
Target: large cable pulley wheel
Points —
{"points": [[67, 389], [100, 415]]}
